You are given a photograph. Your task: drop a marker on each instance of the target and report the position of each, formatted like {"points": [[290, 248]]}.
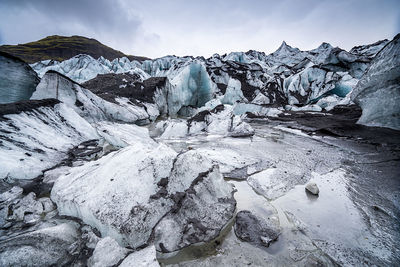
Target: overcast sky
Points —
{"points": [[156, 28]]}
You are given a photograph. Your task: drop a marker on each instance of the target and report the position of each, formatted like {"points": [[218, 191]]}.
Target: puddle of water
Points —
{"points": [[331, 220], [196, 251], [331, 215]]}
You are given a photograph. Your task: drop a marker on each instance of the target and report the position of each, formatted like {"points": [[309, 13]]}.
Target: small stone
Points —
{"points": [[312, 188]]}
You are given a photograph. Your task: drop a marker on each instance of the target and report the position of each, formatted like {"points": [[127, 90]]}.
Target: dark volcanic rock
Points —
{"points": [[250, 228], [339, 122], [109, 86], [17, 79], [29, 105]]}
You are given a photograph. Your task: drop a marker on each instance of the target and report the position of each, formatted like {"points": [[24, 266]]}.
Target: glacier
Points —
{"points": [[286, 77], [193, 161]]}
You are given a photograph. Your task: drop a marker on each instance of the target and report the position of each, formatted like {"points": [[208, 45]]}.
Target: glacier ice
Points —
{"points": [[192, 86], [233, 92], [220, 121], [39, 138], [48, 246], [126, 199], [82, 68], [286, 77], [107, 253], [206, 195], [84, 102], [378, 91], [17, 79], [145, 257]]}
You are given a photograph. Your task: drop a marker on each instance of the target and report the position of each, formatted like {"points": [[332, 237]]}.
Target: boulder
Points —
{"points": [[126, 200], [251, 228]]}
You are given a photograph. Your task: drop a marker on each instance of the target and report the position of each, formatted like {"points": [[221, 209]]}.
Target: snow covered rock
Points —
{"points": [[250, 228], [113, 194], [121, 135], [233, 92], [44, 247], [126, 199], [143, 258], [312, 188], [36, 135], [378, 91], [201, 210], [232, 164], [151, 93], [129, 85], [242, 129], [84, 102], [274, 182], [17, 79], [107, 253], [10, 195], [261, 99], [27, 205]]}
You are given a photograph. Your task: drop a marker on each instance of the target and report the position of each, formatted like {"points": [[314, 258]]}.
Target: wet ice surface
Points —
{"points": [[353, 221]]}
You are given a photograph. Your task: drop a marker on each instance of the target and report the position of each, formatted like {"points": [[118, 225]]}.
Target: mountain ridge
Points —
{"points": [[56, 47]]}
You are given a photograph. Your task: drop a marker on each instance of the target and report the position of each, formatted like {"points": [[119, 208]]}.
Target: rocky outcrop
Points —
{"points": [[17, 79]]}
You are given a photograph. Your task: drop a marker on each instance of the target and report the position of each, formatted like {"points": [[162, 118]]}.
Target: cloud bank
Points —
{"points": [[157, 28]]}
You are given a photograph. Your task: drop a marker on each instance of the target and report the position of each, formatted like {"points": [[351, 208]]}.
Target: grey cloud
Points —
{"points": [[97, 14], [106, 20], [159, 27]]}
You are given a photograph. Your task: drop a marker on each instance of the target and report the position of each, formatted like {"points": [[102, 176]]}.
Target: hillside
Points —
{"points": [[61, 48]]}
